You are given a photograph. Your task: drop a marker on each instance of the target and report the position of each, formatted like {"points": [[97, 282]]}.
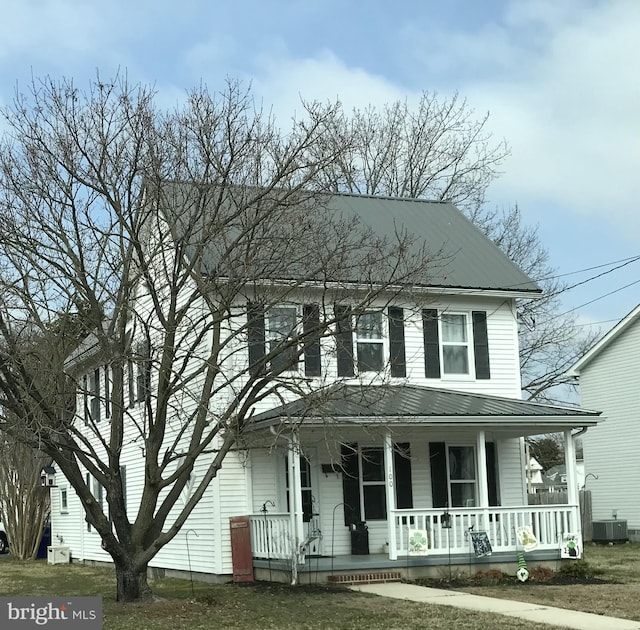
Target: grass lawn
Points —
{"points": [[618, 566], [230, 606]]}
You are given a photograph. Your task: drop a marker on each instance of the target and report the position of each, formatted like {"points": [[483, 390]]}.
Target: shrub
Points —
{"points": [[492, 576], [540, 574], [578, 570]]}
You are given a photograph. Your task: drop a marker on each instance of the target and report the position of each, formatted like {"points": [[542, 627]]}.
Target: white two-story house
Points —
{"points": [[406, 421]]}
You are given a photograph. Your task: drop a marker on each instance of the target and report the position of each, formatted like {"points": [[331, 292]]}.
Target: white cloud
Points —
{"points": [[571, 115], [284, 81]]}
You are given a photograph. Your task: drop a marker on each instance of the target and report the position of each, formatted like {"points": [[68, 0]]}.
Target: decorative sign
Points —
{"points": [[418, 542], [570, 547], [481, 544], [526, 538], [522, 573]]}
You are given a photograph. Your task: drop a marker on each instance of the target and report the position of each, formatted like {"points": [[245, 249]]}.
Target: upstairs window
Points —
{"points": [[143, 372], [455, 344], [281, 328], [91, 396], [275, 330], [369, 342]]}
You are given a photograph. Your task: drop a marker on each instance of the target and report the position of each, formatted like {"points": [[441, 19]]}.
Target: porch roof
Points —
{"points": [[412, 404]]}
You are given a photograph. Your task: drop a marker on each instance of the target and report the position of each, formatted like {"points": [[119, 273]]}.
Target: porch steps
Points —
{"points": [[371, 577]]}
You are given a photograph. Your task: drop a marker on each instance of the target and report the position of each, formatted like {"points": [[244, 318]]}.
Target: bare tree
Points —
{"points": [[24, 503], [551, 340], [440, 150], [154, 230]]}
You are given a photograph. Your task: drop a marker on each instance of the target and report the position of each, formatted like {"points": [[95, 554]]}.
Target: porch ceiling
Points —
{"points": [[413, 405]]}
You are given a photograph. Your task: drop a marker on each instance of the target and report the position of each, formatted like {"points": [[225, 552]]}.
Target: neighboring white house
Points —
{"points": [[534, 476], [608, 379], [438, 441]]}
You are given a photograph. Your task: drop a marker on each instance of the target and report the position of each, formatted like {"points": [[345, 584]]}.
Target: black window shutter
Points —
{"points": [[311, 323], [402, 472], [431, 343], [438, 461], [350, 484], [255, 322], [492, 473], [481, 344], [344, 340], [396, 342]]}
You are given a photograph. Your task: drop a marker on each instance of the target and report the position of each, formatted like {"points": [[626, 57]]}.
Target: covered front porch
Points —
{"points": [[476, 518]]}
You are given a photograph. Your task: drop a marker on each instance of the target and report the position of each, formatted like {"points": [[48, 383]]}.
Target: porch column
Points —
{"points": [[570, 464], [483, 483], [390, 488], [295, 493]]}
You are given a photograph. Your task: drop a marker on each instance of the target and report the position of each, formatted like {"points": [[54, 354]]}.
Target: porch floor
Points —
{"points": [[467, 563]]}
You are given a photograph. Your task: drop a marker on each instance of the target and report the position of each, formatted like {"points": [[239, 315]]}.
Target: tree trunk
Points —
{"points": [[132, 585]]}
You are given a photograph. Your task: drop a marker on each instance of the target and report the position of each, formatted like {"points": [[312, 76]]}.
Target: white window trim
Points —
{"points": [[384, 340], [297, 331], [462, 481], [471, 374], [64, 491], [362, 483]]}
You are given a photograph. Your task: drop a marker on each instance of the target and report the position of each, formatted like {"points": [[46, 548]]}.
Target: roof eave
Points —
{"points": [[606, 340]]}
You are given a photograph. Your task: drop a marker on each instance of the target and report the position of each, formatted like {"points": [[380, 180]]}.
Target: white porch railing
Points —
{"points": [[271, 536], [547, 522]]}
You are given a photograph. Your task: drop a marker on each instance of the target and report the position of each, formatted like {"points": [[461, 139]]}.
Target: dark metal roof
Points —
{"points": [[474, 260], [406, 402], [462, 256]]}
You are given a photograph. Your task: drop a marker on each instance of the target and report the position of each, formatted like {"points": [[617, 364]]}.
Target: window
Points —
{"points": [[97, 491], [374, 500], [131, 382], [369, 342], [143, 372], [305, 487], [364, 481], [281, 328], [64, 505], [85, 398], [462, 476], [91, 396], [107, 392], [455, 343], [94, 403]]}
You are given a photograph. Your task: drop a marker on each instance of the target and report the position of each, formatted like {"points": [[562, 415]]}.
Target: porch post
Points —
{"points": [[483, 483], [570, 465], [295, 496], [390, 487]]}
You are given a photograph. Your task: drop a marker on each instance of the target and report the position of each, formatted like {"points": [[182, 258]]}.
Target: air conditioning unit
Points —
{"points": [[610, 531], [58, 555]]}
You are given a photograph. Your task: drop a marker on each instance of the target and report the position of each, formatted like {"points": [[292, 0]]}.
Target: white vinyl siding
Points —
{"points": [[609, 383]]}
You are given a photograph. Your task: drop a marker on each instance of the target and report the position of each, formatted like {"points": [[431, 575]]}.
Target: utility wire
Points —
{"points": [[572, 273]]}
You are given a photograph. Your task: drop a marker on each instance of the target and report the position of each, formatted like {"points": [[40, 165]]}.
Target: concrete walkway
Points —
{"points": [[522, 610]]}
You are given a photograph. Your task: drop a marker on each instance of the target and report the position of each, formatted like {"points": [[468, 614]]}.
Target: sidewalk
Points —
{"points": [[531, 612]]}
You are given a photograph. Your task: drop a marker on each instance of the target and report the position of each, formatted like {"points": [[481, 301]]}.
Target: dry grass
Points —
{"points": [[229, 606], [619, 567]]}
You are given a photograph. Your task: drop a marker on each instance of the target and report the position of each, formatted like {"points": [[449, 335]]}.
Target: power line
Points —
{"points": [[626, 261], [575, 308]]}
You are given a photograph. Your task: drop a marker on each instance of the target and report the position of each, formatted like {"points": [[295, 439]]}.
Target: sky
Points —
{"points": [[560, 80]]}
